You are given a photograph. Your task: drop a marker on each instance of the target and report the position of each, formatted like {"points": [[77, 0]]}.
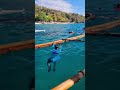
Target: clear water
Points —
{"points": [[17, 67], [107, 13], [72, 56], [102, 53], [102, 62], [16, 70], [15, 32], [16, 27], [56, 32]]}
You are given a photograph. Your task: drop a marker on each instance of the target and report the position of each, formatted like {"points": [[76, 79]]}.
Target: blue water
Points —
{"points": [[102, 62], [15, 32], [106, 14], [56, 32], [16, 67], [72, 56], [16, 27], [17, 70], [102, 52]]}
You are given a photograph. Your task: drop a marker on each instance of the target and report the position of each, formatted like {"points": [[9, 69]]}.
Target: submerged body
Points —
{"points": [[54, 57]]}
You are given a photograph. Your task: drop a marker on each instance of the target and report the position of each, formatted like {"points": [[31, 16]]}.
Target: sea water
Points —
{"points": [[72, 56], [102, 52], [16, 67], [15, 32], [16, 70]]}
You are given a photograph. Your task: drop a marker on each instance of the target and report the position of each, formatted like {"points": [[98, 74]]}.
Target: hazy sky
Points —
{"points": [[74, 6]]}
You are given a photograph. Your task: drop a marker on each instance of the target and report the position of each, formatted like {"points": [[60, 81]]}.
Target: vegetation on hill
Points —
{"points": [[48, 15]]}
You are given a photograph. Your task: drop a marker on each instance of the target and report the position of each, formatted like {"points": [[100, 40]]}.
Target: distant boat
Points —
{"points": [[39, 30]]}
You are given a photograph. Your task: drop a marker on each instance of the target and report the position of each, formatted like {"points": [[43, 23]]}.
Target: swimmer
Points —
{"points": [[117, 7], [89, 16], [54, 57], [71, 32]]}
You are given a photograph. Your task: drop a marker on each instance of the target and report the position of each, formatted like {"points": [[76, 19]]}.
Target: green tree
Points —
{"points": [[37, 18], [54, 17], [46, 14], [42, 16], [49, 18]]}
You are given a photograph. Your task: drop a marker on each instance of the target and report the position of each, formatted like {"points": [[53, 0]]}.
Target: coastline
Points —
{"points": [[56, 22]]}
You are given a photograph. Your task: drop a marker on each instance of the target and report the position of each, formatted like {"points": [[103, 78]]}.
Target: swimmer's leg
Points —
{"points": [[54, 66], [49, 65]]}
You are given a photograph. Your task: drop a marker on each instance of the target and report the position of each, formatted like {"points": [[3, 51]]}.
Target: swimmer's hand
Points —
{"points": [[54, 43]]}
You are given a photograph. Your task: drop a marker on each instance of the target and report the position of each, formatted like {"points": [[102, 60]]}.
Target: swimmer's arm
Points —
{"points": [[60, 49], [53, 45]]}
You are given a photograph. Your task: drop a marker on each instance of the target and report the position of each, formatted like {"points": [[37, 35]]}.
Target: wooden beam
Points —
{"points": [[102, 27], [16, 46], [59, 41], [70, 82]]}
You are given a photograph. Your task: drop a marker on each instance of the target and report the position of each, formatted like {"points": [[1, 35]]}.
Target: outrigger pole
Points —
{"points": [[102, 27], [31, 44], [59, 41], [16, 46], [93, 30], [70, 82]]}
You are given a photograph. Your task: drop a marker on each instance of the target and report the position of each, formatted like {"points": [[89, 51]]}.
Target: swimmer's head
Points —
{"points": [[56, 47], [70, 32]]}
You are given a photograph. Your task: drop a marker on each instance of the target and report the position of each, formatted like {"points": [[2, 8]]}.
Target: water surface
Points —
{"points": [[72, 56]]}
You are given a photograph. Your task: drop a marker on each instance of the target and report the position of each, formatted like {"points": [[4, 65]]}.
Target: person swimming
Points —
{"points": [[117, 7], [54, 57], [71, 32]]}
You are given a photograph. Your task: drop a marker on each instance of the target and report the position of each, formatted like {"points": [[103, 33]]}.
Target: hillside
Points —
{"points": [[48, 15]]}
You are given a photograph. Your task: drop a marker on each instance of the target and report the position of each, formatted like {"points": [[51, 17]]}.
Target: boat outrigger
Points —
{"points": [[30, 44], [70, 82], [100, 29], [59, 41]]}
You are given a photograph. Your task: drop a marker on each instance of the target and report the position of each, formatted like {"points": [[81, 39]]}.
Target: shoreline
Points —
{"points": [[56, 22]]}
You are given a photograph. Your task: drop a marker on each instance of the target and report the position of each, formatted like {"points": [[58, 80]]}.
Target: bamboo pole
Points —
{"points": [[59, 41], [16, 46], [102, 27], [70, 82], [30, 44]]}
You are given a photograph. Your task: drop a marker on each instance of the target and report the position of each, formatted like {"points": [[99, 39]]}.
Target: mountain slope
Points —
{"points": [[46, 14]]}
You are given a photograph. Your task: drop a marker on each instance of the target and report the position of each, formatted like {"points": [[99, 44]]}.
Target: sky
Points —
{"points": [[69, 6]]}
